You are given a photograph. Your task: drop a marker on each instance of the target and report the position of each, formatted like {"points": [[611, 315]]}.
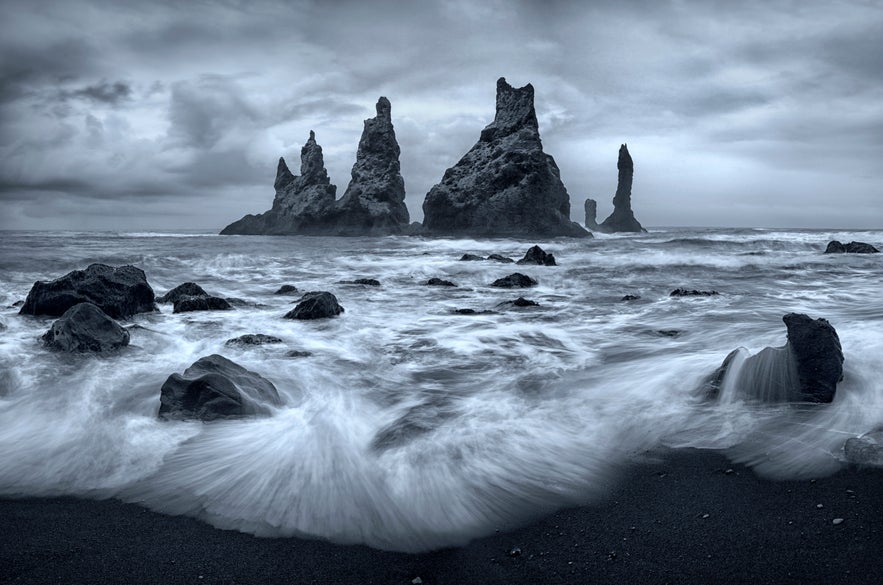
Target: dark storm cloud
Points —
{"points": [[162, 105]]}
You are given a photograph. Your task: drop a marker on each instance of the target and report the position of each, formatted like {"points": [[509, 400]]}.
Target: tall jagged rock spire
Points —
{"points": [[505, 185], [591, 209], [374, 201], [623, 219]]}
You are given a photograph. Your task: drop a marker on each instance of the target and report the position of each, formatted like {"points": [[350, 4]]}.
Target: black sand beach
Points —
{"points": [[691, 517]]}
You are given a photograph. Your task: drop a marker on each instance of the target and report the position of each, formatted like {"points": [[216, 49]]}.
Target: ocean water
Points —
{"points": [[411, 427]]}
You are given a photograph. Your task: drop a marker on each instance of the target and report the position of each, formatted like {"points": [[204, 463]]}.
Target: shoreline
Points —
{"points": [[690, 517]]}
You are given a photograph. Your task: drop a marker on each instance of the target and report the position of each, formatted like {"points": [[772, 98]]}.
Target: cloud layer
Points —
{"points": [[138, 115]]}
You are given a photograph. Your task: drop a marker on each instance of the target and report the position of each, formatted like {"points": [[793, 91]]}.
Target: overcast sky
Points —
{"points": [[172, 115]]}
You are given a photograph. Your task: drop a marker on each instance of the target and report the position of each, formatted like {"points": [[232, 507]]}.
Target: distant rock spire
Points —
{"points": [[505, 185], [623, 219], [591, 208]]}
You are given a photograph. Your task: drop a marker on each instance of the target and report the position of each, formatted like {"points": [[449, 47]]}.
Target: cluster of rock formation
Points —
{"points": [[504, 186], [374, 201]]}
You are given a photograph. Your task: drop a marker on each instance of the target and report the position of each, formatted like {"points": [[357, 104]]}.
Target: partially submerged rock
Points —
{"points": [[253, 339], [286, 289], [187, 304], [835, 247], [216, 388], [683, 292], [500, 258], [514, 280], [623, 218], [85, 328], [439, 282], [505, 185], [519, 302], [362, 281], [630, 297], [316, 305], [806, 369], [118, 291], [470, 258], [536, 255], [188, 289]]}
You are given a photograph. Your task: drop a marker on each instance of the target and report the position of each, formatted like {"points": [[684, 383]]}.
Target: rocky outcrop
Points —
{"points": [[536, 255], [623, 219], [505, 185], [806, 369], [304, 204], [591, 208], [374, 201], [316, 305], [187, 304], [835, 247], [120, 292], [216, 388], [188, 289], [514, 280], [85, 328]]}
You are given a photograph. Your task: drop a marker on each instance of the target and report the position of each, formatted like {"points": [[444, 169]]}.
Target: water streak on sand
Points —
{"points": [[410, 427]]}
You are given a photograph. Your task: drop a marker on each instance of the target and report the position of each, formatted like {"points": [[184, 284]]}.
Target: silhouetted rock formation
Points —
{"points": [[806, 369], [536, 255], [188, 289], [374, 201], [316, 305], [623, 219], [505, 185], [835, 247], [120, 292], [591, 207], [85, 328], [216, 388]]}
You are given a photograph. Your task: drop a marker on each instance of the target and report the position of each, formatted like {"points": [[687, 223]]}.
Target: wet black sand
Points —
{"points": [[685, 519]]}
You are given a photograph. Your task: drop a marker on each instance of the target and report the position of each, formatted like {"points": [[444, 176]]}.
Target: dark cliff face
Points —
{"points": [[373, 204], [623, 219], [505, 185]]}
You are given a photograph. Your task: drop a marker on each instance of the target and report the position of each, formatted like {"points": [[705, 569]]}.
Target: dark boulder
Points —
{"points": [[630, 298], [216, 388], [683, 292], [470, 258], [536, 255], [439, 282], [500, 258], [316, 305], [201, 303], [120, 292], [286, 289], [505, 185], [85, 328], [253, 339], [806, 369], [519, 302], [362, 281], [514, 280], [188, 289], [835, 247]]}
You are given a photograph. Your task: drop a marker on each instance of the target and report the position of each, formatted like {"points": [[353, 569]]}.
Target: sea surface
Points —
{"points": [[409, 426]]}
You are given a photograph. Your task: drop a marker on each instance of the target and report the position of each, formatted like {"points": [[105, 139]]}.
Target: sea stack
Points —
{"points": [[591, 207], [505, 185], [373, 204], [374, 201], [623, 219], [303, 204]]}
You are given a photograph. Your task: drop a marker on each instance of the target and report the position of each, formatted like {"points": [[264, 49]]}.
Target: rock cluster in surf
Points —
{"points": [[505, 185], [623, 218], [374, 201], [835, 247]]}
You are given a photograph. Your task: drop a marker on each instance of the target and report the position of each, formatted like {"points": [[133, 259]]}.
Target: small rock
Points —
{"points": [[439, 282], [514, 280], [536, 255], [465, 311], [286, 289], [704, 516], [515, 552], [683, 292], [253, 339], [729, 471], [470, 258], [416, 581], [630, 298], [188, 289], [819, 506], [668, 332], [316, 305], [837, 521], [499, 258], [298, 353], [363, 281]]}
